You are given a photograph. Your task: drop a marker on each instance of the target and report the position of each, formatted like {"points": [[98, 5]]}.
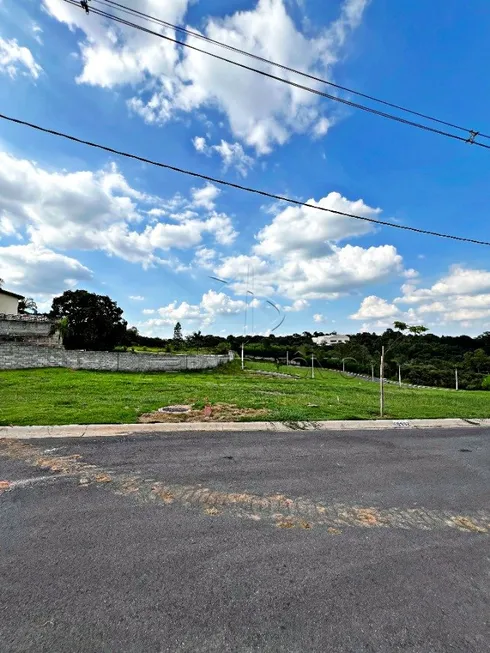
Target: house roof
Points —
{"points": [[10, 294]]}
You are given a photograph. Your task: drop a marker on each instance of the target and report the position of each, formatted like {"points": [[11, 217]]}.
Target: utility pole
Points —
{"points": [[343, 365], [456, 378], [243, 358], [399, 375], [312, 366], [372, 372], [287, 358], [381, 385]]}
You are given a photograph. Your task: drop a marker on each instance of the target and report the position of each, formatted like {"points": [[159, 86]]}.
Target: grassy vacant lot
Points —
{"points": [[59, 396]]}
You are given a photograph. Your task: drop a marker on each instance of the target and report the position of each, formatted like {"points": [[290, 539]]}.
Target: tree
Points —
{"points": [[27, 306], [477, 360], [178, 332], [89, 321]]}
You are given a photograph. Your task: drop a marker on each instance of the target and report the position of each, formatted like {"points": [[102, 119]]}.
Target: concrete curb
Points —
{"points": [[117, 430]]}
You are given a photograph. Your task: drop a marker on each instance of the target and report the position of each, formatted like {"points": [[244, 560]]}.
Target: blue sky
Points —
{"points": [[152, 239]]}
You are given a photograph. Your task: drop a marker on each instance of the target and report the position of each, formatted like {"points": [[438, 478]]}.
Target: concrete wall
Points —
{"points": [[17, 357], [8, 304], [29, 329]]}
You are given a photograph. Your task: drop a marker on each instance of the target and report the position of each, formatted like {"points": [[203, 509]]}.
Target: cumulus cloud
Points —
{"points": [[100, 210], [459, 281], [35, 270], [297, 255], [339, 271], [319, 317], [460, 298], [137, 298], [375, 308], [260, 112], [205, 258], [205, 197], [232, 154], [298, 228], [296, 306], [212, 305], [15, 59]]}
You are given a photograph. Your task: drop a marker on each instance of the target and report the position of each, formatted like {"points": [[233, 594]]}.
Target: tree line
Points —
{"points": [[91, 321]]}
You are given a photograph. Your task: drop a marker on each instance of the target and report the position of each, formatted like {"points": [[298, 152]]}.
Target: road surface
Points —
{"points": [[303, 541]]}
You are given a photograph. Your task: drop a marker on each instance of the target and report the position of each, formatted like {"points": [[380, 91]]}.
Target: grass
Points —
{"points": [[61, 396]]}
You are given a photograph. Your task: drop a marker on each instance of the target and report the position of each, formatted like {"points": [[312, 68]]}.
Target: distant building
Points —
{"points": [[25, 329], [9, 302], [334, 339]]}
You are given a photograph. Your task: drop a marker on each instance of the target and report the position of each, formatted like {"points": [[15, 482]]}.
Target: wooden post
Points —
{"points": [[287, 358], [372, 372]]}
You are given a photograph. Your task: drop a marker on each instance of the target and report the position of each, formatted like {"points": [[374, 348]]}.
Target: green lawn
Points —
{"points": [[59, 396]]}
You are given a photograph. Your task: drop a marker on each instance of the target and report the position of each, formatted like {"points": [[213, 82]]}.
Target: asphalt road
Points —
{"points": [[303, 541]]}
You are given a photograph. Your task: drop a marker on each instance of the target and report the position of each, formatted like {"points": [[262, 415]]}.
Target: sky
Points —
{"points": [[168, 247]]}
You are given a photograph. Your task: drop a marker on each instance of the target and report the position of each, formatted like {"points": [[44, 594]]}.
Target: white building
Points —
{"points": [[9, 302], [334, 339]]}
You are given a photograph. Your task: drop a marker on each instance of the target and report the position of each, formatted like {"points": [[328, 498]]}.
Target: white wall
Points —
{"points": [[8, 304]]}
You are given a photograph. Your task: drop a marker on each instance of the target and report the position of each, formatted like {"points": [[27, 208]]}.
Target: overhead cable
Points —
{"points": [[248, 189]]}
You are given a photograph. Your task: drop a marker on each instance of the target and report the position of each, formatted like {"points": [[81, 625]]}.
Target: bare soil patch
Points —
{"points": [[215, 413]]}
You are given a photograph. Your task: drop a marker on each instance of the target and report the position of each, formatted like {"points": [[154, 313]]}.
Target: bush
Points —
{"points": [[222, 348], [485, 384]]}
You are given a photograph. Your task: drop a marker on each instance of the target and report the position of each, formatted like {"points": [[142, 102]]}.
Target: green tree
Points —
{"points": [[178, 332], [477, 360], [91, 321], [27, 306]]}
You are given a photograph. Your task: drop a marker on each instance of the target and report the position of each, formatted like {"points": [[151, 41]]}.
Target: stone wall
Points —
{"points": [[29, 329], [17, 357]]}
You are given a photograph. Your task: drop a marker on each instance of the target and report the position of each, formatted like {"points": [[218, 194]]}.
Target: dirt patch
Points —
{"points": [[214, 413]]}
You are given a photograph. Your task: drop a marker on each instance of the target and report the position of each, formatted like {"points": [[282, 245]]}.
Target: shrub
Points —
{"points": [[485, 384]]}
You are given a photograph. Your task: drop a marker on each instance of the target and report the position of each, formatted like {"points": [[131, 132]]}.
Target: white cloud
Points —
{"points": [[318, 318], [35, 270], [297, 228], [323, 277], [232, 154], [137, 298], [199, 143], [148, 311], [411, 274], [296, 306], [101, 210], [205, 196], [37, 31], [459, 281], [212, 305], [205, 258], [375, 308], [296, 255], [260, 112], [460, 299], [113, 55], [15, 58]]}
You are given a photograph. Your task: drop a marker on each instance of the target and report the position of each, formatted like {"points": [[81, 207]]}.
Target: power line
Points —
{"points": [[188, 32], [230, 184], [329, 96]]}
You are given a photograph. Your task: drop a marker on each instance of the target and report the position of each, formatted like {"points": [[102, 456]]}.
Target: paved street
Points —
{"points": [[303, 541]]}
